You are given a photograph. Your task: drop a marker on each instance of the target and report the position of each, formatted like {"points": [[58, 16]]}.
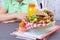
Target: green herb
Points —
{"points": [[32, 18], [45, 11]]}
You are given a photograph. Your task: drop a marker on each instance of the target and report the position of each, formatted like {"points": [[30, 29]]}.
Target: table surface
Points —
{"points": [[6, 29]]}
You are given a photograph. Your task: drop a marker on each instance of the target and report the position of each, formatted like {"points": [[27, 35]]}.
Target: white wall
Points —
{"points": [[55, 6], [57, 9]]}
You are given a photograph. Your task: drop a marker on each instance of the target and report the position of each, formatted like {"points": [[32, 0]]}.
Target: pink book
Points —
{"points": [[42, 35]]}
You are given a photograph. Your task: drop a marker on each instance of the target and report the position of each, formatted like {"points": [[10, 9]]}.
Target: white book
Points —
{"points": [[31, 34]]}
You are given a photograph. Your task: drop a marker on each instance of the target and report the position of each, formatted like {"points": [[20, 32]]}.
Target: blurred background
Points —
{"points": [[6, 29], [53, 5]]}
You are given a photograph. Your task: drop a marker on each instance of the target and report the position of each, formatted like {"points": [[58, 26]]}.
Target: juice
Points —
{"points": [[31, 9]]}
